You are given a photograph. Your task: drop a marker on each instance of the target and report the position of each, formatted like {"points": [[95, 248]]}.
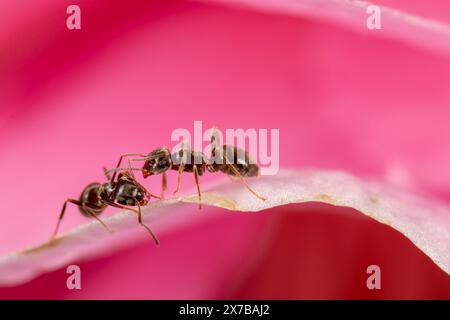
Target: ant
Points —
{"points": [[123, 193], [161, 160]]}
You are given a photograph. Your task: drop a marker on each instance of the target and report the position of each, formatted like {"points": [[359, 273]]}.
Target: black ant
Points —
{"points": [[185, 160], [123, 193]]}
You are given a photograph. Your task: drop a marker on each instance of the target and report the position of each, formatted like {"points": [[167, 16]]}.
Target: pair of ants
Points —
{"points": [[123, 191]]}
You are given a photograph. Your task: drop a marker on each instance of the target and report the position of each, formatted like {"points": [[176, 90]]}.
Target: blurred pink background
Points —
{"points": [[72, 101]]}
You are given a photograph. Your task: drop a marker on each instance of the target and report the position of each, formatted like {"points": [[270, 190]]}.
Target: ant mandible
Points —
{"points": [[123, 193]]}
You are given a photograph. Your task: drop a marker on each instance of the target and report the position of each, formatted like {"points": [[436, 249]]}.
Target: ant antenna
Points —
{"points": [[107, 172]]}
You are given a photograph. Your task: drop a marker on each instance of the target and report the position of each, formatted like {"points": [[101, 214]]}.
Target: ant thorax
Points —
{"points": [[129, 193]]}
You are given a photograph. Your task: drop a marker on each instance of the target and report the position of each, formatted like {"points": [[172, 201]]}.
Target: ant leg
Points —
{"points": [[113, 204], [78, 203], [144, 225], [93, 215], [152, 195], [180, 172], [198, 187], [186, 149], [146, 191], [232, 178], [106, 173], [163, 184], [236, 172], [61, 215], [120, 161], [130, 169], [214, 144]]}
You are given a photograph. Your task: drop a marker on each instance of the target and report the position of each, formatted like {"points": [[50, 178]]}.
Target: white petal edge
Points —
{"points": [[425, 222]]}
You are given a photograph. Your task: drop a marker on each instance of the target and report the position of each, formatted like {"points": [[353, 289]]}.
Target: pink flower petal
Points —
{"points": [[70, 103], [396, 24]]}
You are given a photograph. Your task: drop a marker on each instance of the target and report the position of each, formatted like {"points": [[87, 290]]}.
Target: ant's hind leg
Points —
{"points": [[198, 187], [61, 215], [236, 172], [93, 215], [163, 184]]}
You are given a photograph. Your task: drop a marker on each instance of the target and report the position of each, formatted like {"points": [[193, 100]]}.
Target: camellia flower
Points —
{"points": [[363, 121]]}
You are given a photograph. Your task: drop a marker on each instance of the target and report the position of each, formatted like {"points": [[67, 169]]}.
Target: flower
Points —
{"points": [[371, 103]]}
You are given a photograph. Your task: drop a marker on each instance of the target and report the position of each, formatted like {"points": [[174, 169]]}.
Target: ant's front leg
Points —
{"points": [[106, 173], [61, 215], [148, 193], [120, 162], [116, 205], [198, 187]]}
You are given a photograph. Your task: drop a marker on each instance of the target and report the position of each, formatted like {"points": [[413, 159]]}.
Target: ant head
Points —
{"points": [[143, 201], [158, 161], [140, 194]]}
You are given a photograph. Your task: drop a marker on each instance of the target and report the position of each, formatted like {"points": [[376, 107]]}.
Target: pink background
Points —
{"points": [[72, 101]]}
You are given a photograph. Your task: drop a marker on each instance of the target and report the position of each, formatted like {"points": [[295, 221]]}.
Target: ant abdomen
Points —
{"points": [[246, 170], [128, 193], [240, 160], [90, 199]]}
